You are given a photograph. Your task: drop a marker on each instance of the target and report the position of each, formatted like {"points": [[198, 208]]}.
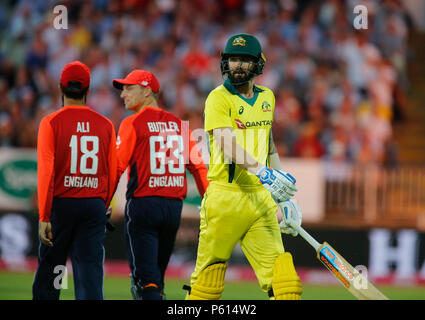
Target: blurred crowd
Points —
{"points": [[339, 91]]}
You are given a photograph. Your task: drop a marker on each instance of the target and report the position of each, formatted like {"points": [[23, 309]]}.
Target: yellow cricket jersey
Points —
{"points": [[251, 120]]}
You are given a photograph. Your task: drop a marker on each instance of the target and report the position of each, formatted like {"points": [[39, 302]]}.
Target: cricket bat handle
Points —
{"points": [[307, 237]]}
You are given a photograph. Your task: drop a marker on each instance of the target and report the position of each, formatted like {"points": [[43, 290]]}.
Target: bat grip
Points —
{"points": [[307, 237]]}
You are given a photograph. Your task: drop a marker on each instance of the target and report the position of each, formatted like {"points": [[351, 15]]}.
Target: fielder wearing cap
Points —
{"points": [[153, 144], [76, 166], [240, 202], [75, 81], [140, 88], [141, 77], [75, 72]]}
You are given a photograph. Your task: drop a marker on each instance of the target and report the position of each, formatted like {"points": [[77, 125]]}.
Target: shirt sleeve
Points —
{"points": [[45, 168], [113, 164], [125, 145], [217, 112], [197, 167]]}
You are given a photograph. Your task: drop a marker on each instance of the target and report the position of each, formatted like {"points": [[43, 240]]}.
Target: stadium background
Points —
{"points": [[348, 121]]}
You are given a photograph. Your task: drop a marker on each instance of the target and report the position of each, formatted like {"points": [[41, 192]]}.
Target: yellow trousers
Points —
{"points": [[244, 214]]}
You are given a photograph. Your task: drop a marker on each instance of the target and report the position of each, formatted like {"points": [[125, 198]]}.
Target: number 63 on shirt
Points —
{"points": [[154, 145]]}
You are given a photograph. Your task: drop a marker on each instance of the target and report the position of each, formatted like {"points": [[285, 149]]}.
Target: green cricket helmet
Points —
{"points": [[243, 45]]}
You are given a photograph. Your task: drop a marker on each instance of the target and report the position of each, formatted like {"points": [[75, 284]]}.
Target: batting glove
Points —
{"points": [[291, 216], [280, 184]]}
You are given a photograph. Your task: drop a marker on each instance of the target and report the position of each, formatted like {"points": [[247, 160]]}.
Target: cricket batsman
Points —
{"points": [[246, 182]]}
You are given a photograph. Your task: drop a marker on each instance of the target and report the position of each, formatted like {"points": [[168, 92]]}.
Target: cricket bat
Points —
{"points": [[350, 278]]}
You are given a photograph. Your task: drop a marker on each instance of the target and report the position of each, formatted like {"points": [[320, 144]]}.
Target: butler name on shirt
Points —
{"points": [[158, 126]]}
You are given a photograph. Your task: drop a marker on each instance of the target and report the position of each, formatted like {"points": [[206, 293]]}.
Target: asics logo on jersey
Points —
{"points": [[241, 110]]}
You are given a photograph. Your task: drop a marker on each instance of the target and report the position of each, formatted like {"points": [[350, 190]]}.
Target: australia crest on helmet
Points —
{"points": [[239, 41]]}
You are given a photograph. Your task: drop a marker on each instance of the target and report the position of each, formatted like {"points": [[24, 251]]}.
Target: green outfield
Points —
{"points": [[17, 286]]}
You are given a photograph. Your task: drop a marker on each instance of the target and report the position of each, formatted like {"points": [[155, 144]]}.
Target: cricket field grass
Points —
{"points": [[17, 286]]}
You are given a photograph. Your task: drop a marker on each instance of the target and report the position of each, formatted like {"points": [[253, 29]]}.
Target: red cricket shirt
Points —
{"points": [[157, 147], [76, 151]]}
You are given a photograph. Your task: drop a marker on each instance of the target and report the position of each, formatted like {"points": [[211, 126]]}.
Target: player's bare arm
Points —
{"points": [[226, 139], [281, 188], [274, 161]]}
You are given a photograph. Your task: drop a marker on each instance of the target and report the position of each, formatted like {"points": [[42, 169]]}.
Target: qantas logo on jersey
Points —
{"points": [[250, 124], [240, 124], [258, 123], [169, 126]]}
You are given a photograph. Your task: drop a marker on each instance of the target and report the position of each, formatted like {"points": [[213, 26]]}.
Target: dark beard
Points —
{"points": [[240, 80]]}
